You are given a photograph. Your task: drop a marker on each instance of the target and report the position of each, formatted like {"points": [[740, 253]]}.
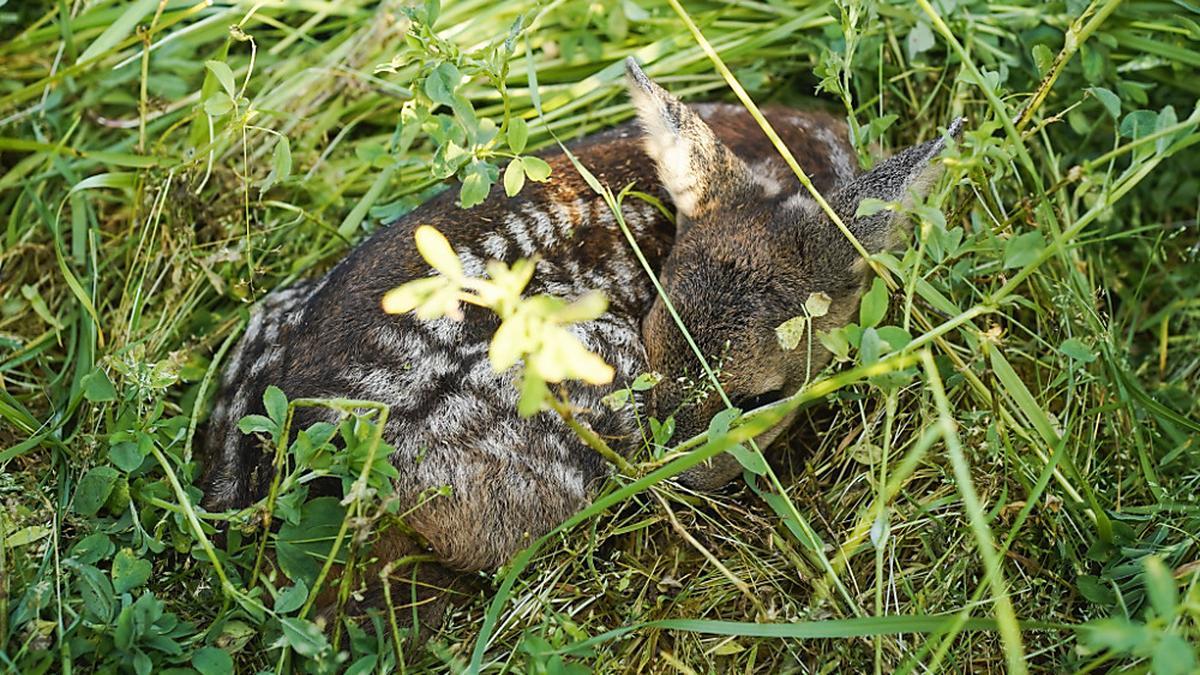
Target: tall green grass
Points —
{"points": [[1002, 476]]}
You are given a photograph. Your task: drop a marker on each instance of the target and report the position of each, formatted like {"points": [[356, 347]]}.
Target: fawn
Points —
{"points": [[747, 248]]}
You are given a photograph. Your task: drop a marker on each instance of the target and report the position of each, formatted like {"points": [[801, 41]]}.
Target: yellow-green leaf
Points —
{"points": [[436, 251], [406, 298], [791, 332], [224, 75], [588, 307], [874, 304], [817, 304], [508, 342], [537, 169], [518, 134], [514, 177]]}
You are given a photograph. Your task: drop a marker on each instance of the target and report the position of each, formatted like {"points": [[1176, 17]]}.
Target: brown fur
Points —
{"points": [[747, 257]]}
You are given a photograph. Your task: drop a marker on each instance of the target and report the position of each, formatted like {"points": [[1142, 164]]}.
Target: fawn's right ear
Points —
{"points": [[696, 168], [896, 179]]}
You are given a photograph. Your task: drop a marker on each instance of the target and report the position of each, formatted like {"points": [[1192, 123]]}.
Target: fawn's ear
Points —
{"points": [[897, 179], [695, 168]]}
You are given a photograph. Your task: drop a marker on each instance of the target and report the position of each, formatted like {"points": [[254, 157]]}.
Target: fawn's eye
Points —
{"points": [[752, 402]]}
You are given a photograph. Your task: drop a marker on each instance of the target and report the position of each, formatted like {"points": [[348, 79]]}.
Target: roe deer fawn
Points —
{"points": [[748, 247]]}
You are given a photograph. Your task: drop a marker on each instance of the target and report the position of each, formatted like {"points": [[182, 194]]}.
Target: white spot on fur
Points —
{"points": [[763, 173], [250, 337], [445, 330], [495, 246], [472, 264], [800, 200], [518, 229], [543, 228], [839, 159], [567, 216]]}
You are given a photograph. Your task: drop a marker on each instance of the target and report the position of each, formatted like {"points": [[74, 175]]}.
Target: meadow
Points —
{"points": [[999, 474]]}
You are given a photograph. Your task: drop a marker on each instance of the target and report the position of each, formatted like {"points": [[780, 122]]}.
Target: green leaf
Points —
{"points": [[1094, 62], [94, 489], [1023, 249], [874, 304], [257, 424], [1139, 123], [442, 82], [409, 296], [518, 135], [869, 206], [537, 169], [896, 337], [142, 663], [1166, 119], [1173, 656], [118, 30], [1076, 349], [752, 461], [92, 548], [1020, 394], [1095, 590], [718, 427], [837, 342], [291, 598], [1160, 588], [880, 530], [1109, 100], [616, 399], [662, 432], [99, 601], [476, 184], [1116, 633], [870, 347], [433, 9], [218, 104], [123, 634], [126, 456], [646, 381], [26, 536], [302, 548], [281, 163], [303, 636], [129, 571], [212, 661], [1043, 59], [224, 76], [920, 39], [276, 404], [363, 666], [514, 177], [97, 388]]}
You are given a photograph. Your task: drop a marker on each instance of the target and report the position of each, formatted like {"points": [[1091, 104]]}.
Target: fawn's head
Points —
{"points": [[744, 261]]}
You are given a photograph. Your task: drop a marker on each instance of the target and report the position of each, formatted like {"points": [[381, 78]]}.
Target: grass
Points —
{"points": [[1005, 480]]}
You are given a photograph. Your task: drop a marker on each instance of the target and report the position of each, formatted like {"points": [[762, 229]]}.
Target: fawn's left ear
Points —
{"points": [[696, 168], [896, 179]]}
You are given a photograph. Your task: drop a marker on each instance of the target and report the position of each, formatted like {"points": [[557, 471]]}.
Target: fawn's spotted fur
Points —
{"points": [[750, 248]]}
